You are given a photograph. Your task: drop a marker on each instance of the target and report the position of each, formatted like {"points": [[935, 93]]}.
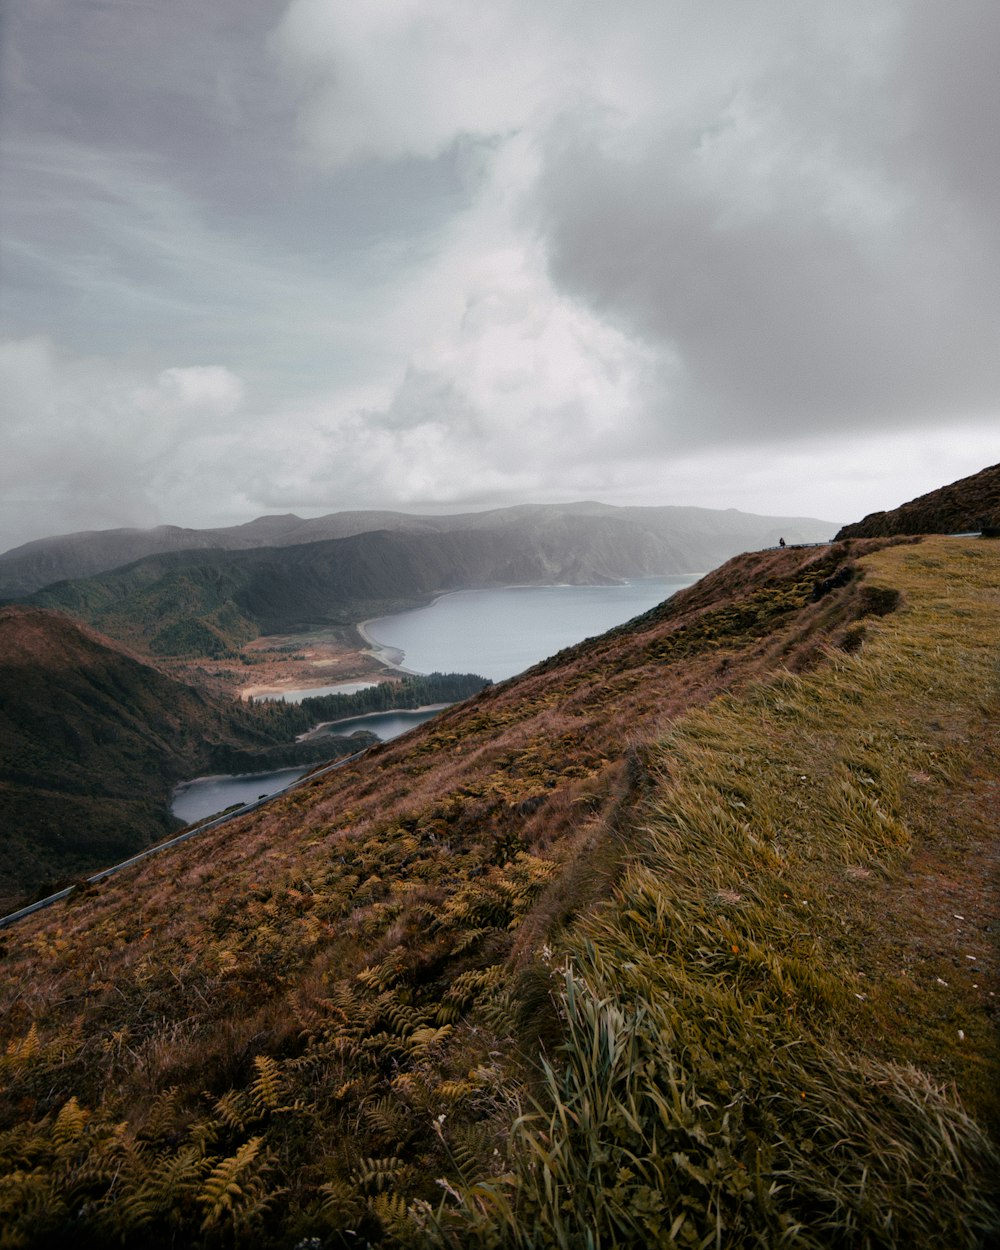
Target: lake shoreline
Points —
{"points": [[364, 658], [391, 657], [502, 631], [327, 725]]}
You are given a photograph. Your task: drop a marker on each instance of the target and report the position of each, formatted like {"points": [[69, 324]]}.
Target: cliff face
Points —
{"points": [[723, 868], [966, 506]]}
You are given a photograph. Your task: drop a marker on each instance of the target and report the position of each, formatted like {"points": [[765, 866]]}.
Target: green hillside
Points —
{"points": [[685, 938], [92, 742]]}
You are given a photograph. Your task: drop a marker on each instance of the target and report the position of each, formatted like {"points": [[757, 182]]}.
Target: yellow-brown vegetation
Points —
{"points": [[667, 942]]}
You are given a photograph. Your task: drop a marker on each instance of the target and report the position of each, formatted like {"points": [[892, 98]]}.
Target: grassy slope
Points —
{"points": [[782, 834]]}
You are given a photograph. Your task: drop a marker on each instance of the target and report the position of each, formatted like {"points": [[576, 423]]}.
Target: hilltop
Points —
{"points": [[725, 869], [965, 506]]}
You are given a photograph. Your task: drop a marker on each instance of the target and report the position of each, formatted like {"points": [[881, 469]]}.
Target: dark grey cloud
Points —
{"points": [[947, 75], [187, 83], [155, 199], [840, 274]]}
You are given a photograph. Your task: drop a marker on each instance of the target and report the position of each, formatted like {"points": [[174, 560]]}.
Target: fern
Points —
{"points": [[230, 1185], [162, 1116], [452, 1091], [164, 1190], [402, 1018], [376, 1175], [391, 1212], [231, 1108], [266, 1091], [21, 1052], [468, 938], [69, 1126], [387, 1117], [422, 1039], [341, 1201]]}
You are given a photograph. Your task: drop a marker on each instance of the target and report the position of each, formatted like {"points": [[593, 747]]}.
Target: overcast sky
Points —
{"points": [[262, 256]]}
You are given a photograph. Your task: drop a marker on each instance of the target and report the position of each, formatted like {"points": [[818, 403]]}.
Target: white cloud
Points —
{"points": [[94, 442], [388, 78], [722, 191]]}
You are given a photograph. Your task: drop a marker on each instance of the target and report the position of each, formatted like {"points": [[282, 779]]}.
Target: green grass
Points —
{"points": [[715, 1087]]}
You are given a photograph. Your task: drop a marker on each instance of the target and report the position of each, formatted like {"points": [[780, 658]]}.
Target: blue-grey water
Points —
{"points": [[498, 633], [207, 795], [193, 800], [495, 633], [385, 725]]}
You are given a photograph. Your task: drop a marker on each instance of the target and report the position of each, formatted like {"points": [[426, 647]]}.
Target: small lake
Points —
{"points": [[498, 633], [385, 725], [205, 796], [194, 800]]}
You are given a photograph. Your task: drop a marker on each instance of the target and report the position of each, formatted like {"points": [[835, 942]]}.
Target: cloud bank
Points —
{"points": [[308, 256]]}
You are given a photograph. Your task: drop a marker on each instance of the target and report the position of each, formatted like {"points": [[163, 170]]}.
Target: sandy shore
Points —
{"points": [[328, 687], [391, 657], [280, 663]]}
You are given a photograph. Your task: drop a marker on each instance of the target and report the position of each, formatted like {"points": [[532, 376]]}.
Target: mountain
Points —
{"points": [[211, 602], [92, 741], [966, 506], [684, 937], [676, 539]]}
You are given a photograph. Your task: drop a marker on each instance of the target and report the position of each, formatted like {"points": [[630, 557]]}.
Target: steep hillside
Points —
{"points": [[728, 869], [966, 506], [92, 740], [653, 540]]}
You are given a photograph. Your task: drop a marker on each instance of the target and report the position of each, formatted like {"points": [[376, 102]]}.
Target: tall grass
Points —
{"points": [[717, 1085]]}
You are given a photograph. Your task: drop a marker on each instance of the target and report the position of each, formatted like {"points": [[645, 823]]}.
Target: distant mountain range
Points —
{"points": [[649, 540], [209, 601]]}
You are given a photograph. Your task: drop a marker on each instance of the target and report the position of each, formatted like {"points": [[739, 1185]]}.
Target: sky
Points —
{"points": [[267, 256]]}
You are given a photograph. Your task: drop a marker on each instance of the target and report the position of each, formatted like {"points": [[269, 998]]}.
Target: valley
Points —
{"points": [[210, 601]]}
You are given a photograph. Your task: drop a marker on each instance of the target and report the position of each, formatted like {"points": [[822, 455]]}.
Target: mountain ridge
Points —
{"points": [[32, 565], [211, 602]]}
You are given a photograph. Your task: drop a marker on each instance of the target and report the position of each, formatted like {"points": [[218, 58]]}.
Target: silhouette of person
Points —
{"points": [[781, 542]]}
